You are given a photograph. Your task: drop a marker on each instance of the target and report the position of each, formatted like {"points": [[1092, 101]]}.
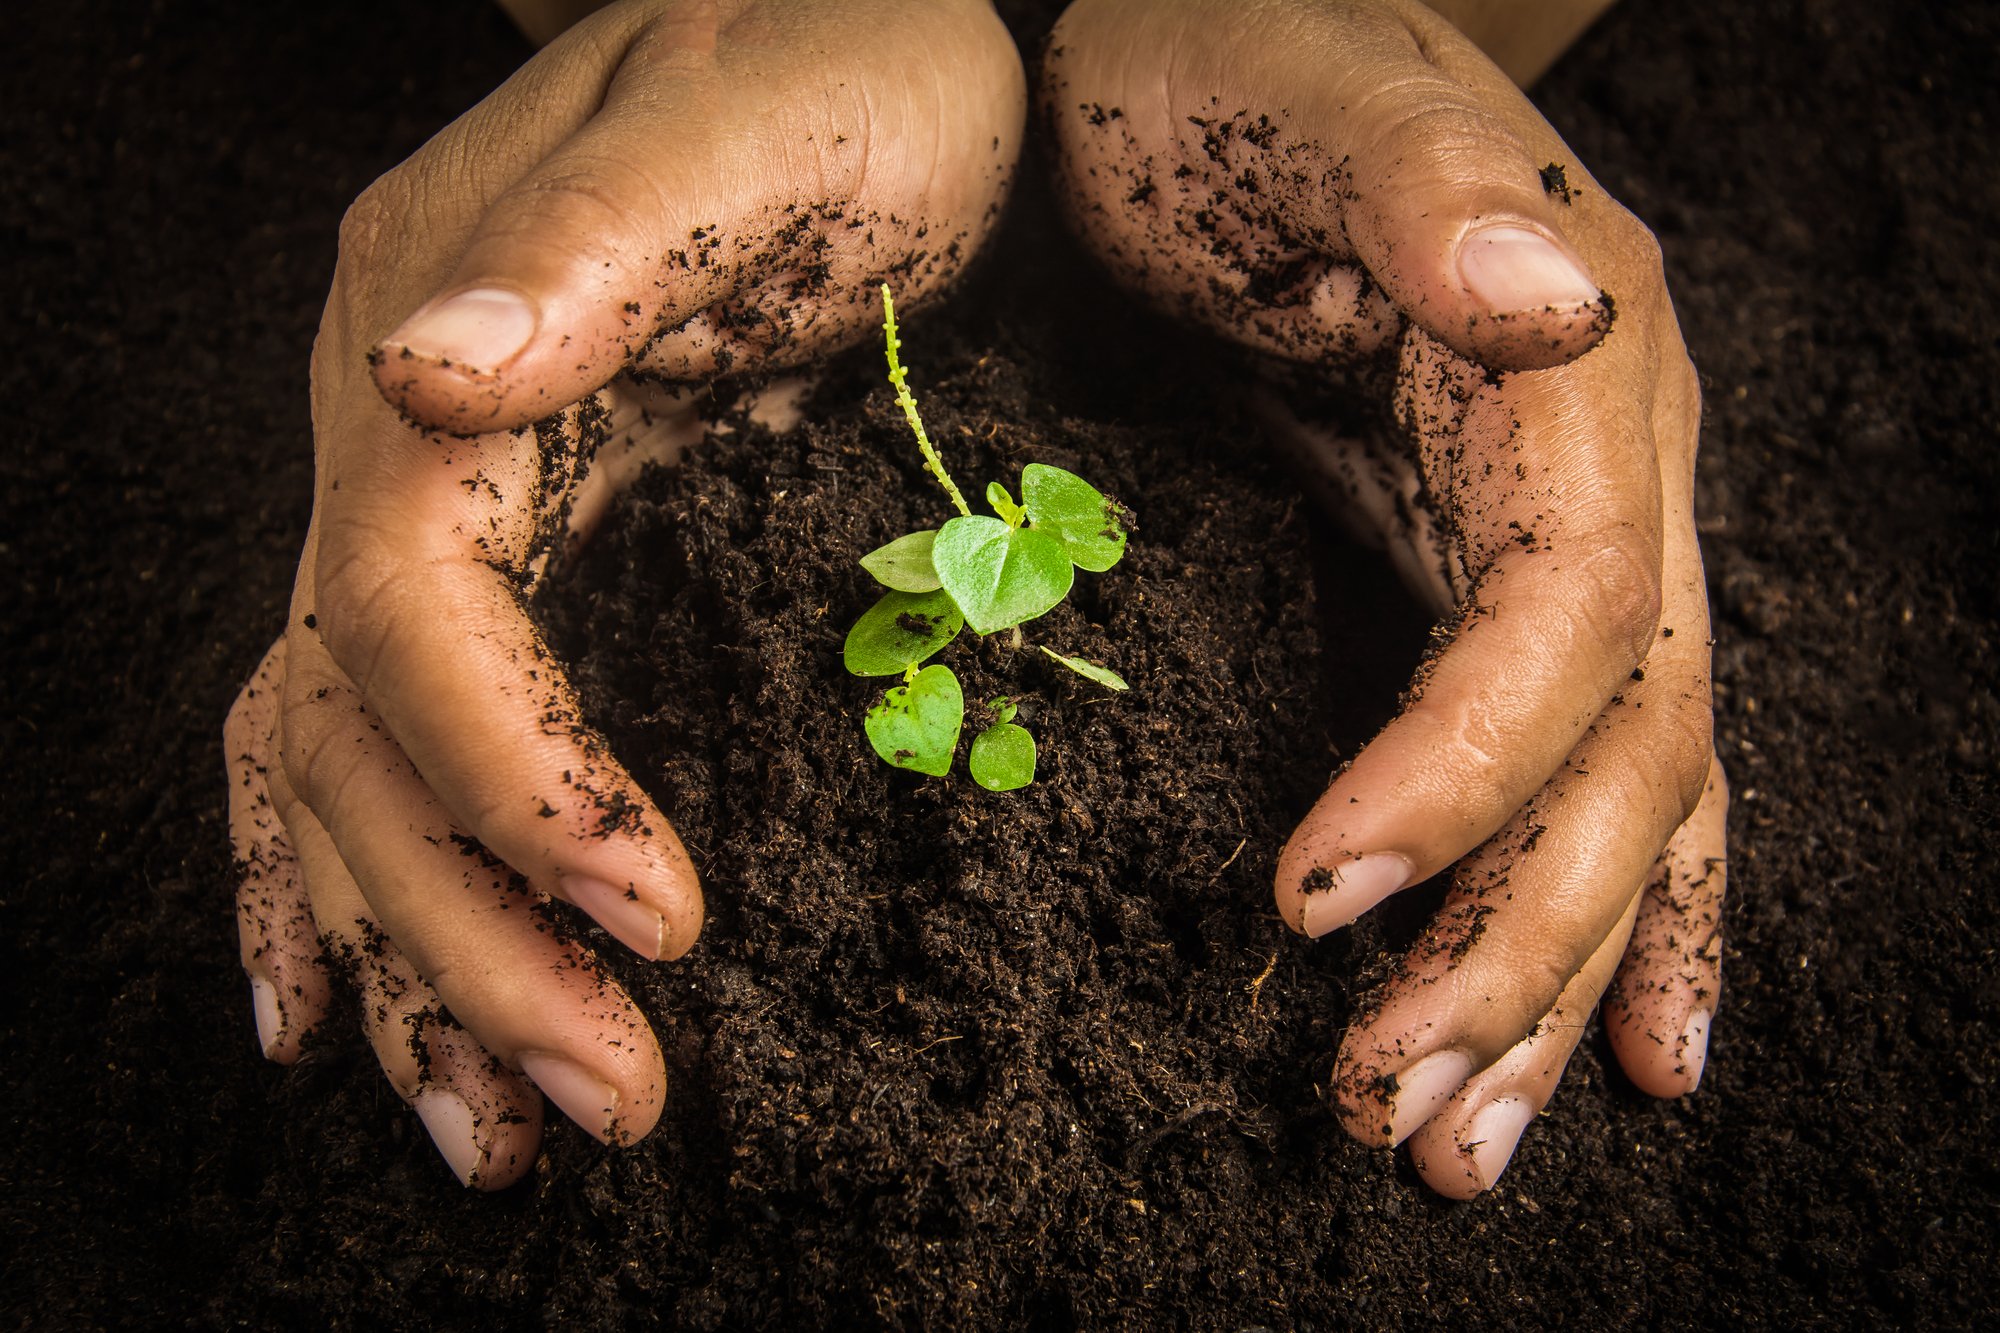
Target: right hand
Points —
{"points": [[1353, 190], [683, 187]]}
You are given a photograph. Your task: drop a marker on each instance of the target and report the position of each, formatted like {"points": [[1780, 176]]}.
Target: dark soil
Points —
{"points": [[943, 1055]]}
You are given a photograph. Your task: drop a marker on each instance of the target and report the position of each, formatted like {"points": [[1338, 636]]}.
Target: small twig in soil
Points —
{"points": [[1256, 984]]}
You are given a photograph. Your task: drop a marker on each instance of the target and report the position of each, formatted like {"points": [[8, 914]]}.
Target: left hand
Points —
{"points": [[675, 189], [1353, 189]]}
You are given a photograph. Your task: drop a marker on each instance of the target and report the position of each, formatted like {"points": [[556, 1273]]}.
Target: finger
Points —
{"points": [[416, 593], [1560, 545], [706, 217], [1462, 1150], [1663, 1002], [1442, 195], [1320, 174], [1530, 909], [574, 264], [485, 1121], [465, 922], [278, 944]]}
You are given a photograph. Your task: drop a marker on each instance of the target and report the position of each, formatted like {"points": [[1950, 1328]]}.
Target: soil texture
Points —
{"points": [[1044, 1059]]}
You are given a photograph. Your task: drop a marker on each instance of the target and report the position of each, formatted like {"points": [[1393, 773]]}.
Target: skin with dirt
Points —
{"points": [[1042, 1058]]}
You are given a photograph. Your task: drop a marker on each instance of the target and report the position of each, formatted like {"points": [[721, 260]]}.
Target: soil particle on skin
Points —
{"points": [[1042, 1059]]}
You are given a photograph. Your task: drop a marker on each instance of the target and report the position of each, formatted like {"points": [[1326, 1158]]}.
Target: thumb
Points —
{"points": [[1443, 197], [576, 263]]}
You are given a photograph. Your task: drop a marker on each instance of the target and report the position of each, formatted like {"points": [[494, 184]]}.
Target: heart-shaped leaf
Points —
{"points": [[916, 725], [901, 629], [1000, 576], [1076, 513], [1003, 757], [905, 564], [1104, 676]]}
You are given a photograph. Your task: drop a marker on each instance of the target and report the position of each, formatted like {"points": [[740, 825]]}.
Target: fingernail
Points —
{"points": [[1511, 269], [270, 1022], [579, 1096], [479, 330], [453, 1129], [620, 912], [1421, 1089], [1694, 1046], [1492, 1135], [1336, 895]]}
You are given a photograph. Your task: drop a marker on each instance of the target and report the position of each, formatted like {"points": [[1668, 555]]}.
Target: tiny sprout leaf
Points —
{"points": [[1104, 676], [901, 629], [1000, 576], [1003, 504], [905, 564], [1003, 709], [916, 725], [1076, 513], [1003, 757]]}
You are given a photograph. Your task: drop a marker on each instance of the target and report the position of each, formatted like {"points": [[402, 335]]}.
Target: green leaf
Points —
{"points": [[1003, 709], [901, 629], [1076, 513], [1104, 676], [905, 564], [1003, 504], [1003, 757], [1000, 576], [916, 725]]}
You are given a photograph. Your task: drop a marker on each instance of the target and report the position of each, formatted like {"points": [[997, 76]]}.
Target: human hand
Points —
{"points": [[1354, 191], [677, 188]]}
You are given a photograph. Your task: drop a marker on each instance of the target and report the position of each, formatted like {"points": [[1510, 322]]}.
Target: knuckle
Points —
{"points": [[1536, 979], [246, 728], [370, 223], [1618, 593], [1673, 757], [1687, 758], [295, 764], [309, 774], [357, 594], [591, 197], [1488, 779]]}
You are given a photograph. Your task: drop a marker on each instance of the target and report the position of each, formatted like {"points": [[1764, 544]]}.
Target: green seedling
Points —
{"points": [[992, 572]]}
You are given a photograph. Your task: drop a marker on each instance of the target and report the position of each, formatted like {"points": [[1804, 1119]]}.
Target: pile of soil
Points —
{"points": [[1047, 1057]]}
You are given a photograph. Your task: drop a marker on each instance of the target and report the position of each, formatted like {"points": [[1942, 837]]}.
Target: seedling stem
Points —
{"points": [[899, 378]]}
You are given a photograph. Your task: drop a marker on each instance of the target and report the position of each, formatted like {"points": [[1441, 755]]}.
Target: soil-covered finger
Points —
{"points": [[624, 233], [1462, 1150], [1238, 151], [1662, 1006], [497, 953], [443, 651], [278, 945], [1546, 489], [485, 1120], [1529, 910]]}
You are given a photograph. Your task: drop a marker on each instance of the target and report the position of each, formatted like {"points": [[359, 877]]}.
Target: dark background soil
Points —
{"points": [[1822, 179]]}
